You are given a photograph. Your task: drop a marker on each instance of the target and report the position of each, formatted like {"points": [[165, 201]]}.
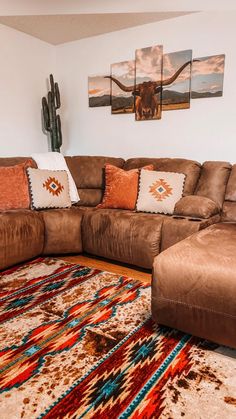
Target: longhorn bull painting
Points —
{"points": [[162, 82], [147, 89], [148, 95]]}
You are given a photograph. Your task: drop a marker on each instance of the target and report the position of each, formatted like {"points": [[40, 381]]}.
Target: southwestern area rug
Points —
{"points": [[79, 343]]}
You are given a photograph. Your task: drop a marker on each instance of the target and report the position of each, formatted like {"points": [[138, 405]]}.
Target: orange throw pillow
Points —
{"points": [[14, 191], [121, 189]]}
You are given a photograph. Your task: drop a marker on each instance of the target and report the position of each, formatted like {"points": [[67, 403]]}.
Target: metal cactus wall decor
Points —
{"points": [[52, 121]]}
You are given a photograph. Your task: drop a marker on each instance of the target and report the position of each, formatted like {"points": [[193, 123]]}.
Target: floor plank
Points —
{"points": [[106, 265]]}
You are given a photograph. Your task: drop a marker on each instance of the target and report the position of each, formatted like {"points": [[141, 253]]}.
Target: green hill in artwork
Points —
{"points": [[96, 101]]}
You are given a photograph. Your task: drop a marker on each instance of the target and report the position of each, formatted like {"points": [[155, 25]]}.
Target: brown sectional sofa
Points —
{"points": [[142, 238]]}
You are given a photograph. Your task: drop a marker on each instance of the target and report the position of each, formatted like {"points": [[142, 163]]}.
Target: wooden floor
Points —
{"points": [[106, 265]]}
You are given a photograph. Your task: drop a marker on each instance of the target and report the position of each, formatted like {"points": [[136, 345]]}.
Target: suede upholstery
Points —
{"points": [[88, 174], [230, 194], [62, 231], [229, 207], [194, 289], [229, 212], [90, 197], [175, 228], [21, 236], [196, 206], [122, 235], [213, 181]]}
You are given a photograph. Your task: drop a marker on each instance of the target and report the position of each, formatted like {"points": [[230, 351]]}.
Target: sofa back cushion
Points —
{"points": [[89, 176], [190, 168], [213, 181], [230, 194]]}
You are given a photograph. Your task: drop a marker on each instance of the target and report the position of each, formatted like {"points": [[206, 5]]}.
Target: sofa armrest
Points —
{"points": [[196, 206]]}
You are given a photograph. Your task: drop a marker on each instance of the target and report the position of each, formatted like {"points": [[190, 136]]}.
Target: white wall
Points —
{"points": [[25, 65], [45, 7], [206, 131]]}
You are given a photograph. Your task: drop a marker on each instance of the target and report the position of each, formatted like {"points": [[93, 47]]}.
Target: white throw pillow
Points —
{"points": [[159, 191], [48, 188], [56, 161]]}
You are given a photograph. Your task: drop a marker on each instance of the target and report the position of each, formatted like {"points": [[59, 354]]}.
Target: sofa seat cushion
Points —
{"points": [[194, 285], [122, 235], [21, 236], [62, 230]]}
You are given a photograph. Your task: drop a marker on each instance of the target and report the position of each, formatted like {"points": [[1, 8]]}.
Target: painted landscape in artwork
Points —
{"points": [[99, 89], [208, 77], [176, 87], [123, 80]]}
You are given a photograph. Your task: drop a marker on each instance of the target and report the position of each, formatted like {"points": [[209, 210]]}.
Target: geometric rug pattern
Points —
{"points": [[77, 342]]}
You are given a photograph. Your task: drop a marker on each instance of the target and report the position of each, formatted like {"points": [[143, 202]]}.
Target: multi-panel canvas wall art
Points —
{"points": [[122, 80], [99, 89], [208, 76], [148, 73], [155, 82], [176, 83]]}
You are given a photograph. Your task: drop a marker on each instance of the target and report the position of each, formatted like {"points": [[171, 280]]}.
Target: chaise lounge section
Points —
{"points": [[194, 282], [194, 285]]}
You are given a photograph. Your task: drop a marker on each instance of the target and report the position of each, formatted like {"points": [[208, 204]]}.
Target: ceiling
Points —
{"points": [[59, 29]]}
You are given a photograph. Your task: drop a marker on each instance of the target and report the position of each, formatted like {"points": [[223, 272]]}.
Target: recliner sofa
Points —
{"points": [[125, 236]]}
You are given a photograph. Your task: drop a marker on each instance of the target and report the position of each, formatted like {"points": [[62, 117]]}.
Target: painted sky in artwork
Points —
{"points": [[171, 63], [98, 86], [149, 63], [208, 74], [125, 73]]}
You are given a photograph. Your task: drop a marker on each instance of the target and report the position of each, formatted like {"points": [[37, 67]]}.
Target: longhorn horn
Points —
{"points": [[171, 79], [158, 83], [121, 85]]}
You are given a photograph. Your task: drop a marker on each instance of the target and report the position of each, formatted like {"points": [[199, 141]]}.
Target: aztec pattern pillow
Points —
{"points": [[121, 189], [56, 161], [49, 188], [159, 191], [14, 190]]}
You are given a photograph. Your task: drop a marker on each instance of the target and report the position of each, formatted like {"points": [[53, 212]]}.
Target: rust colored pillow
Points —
{"points": [[121, 189], [14, 192]]}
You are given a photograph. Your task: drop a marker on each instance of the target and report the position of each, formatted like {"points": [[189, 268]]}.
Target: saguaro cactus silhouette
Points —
{"points": [[52, 121]]}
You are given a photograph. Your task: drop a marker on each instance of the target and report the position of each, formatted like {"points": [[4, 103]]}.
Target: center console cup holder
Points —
{"points": [[180, 217]]}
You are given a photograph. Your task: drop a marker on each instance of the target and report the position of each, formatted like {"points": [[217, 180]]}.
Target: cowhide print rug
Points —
{"points": [[78, 342]]}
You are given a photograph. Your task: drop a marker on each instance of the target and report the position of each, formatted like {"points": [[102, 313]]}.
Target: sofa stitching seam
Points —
{"points": [[195, 306]]}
